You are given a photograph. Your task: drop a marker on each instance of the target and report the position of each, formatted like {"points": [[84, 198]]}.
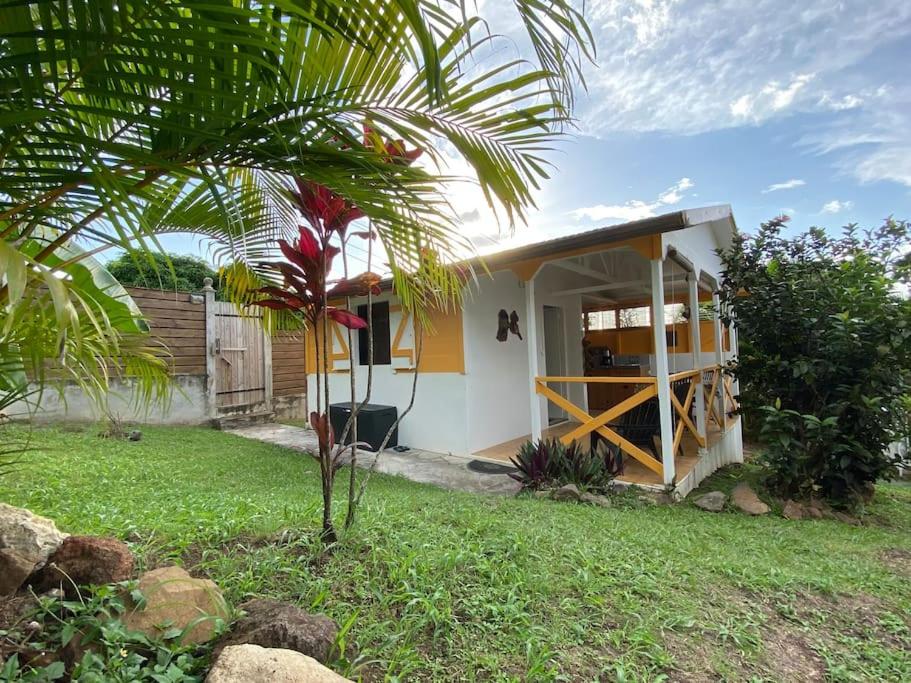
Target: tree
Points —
{"points": [[825, 357], [181, 272], [120, 121]]}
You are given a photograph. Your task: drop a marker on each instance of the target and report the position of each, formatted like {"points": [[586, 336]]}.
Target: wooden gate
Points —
{"points": [[242, 362]]}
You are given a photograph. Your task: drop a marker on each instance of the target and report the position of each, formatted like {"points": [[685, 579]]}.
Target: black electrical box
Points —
{"points": [[373, 421]]}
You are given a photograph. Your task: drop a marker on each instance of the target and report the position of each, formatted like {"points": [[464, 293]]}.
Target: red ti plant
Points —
{"points": [[307, 290]]}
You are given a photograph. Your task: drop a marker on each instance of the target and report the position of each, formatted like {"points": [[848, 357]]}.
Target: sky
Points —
{"points": [[771, 106]]}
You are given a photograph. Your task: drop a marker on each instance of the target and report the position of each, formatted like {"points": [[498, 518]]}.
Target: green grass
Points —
{"points": [[450, 586]]}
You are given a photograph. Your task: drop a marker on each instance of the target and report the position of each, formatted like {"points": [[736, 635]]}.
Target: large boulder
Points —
{"points": [[269, 623], [85, 561], [713, 501], [26, 542], [174, 599], [793, 510], [744, 498], [255, 664]]}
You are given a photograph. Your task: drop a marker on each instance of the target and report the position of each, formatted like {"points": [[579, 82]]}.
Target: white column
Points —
{"points": [[532, 334], [211, 360], [719, 358], [661, 372], [696, 345]]}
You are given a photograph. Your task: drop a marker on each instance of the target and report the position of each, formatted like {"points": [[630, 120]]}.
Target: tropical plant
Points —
{"points": [[121, 121], [549, 462], [180, 272], [825, 352]]}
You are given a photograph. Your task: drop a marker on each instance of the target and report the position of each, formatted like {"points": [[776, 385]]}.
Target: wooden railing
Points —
{"points": [[718, 397], [599, 424]]}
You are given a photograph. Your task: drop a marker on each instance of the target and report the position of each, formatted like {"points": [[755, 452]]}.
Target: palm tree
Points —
{"points": [[122, 120]]}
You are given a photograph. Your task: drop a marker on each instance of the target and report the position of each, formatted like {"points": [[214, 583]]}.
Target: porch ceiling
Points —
{"points": [[613, 276]]}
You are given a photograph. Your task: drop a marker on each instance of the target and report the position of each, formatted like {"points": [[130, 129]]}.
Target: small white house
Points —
{"points": [[611, 331]]}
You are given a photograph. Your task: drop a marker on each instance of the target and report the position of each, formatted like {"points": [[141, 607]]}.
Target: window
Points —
{"points": [[382, 353], [602, 320], [635, 317], [673, 314]]}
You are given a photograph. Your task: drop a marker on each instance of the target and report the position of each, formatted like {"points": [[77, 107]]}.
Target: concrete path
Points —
{"points": [[446, 471]]}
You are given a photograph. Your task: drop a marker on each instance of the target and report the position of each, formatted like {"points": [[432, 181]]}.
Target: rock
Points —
{"points": [[85, 561], [175, 599], [135, 435], [567, 492], [813, 512], [654, 498], [793, 510], [713, 501], [745, 498], [26, 541], [255, 664], [274, 624], [595, 499], [845, 518], [543, 493]]}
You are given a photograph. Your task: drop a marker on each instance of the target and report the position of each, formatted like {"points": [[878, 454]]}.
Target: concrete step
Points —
{"points": [[239, 420]]}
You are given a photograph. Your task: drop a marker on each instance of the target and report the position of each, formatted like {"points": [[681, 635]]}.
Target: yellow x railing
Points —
{"points": [[599, 424]]}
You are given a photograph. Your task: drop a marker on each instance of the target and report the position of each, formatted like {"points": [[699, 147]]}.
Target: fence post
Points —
{"points": [[267, 365], [211, 379]]}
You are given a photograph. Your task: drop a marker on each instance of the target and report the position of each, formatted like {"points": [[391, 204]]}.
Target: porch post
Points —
{"points": [[661, 372], [719, 357], [531, 327], [696, 345]]}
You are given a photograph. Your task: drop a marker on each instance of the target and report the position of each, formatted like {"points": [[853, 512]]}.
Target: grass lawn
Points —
{"points": [[449, 586]]}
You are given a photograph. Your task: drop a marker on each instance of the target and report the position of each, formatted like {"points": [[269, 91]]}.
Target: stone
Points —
{"points": [[845, 518], [255, 664], [744, 498], [813, 512], [567, 492], [274, 624], [135, 435], [595, 499], [543, 493], [174, 599], [25, 539], [713, 501], [793, 510], [85, 561]]}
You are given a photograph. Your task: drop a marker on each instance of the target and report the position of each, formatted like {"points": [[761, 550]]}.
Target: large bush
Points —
{"points": [[824, 353]]}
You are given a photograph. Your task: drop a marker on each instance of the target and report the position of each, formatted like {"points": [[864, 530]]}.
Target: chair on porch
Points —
{"points": [[639, 426]]}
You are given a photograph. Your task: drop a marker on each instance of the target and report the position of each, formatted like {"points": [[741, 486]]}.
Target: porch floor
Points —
{"points": [[634, 472]]}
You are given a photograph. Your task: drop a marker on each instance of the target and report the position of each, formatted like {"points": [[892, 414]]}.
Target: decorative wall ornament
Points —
{"points": [[502, 325], [506, 323], [514, 324]]}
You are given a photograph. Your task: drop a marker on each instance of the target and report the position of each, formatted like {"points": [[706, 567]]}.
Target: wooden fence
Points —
{"points": [[193, 331]]}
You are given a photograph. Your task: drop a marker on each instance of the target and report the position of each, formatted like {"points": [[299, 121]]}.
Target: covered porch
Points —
{"points": [[626, 346]]}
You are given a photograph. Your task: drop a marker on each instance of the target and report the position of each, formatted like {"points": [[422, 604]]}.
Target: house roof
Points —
{"points": [[656, 225]]}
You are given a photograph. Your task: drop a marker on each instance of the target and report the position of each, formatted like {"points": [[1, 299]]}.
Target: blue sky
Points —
{"points": [[767, 105]]}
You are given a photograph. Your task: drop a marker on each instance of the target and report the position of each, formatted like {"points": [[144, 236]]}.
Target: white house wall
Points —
{"points": [[437, 422], [498, 382]]}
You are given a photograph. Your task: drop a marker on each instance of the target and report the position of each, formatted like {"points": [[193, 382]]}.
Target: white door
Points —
{"points": [[555, 358]]}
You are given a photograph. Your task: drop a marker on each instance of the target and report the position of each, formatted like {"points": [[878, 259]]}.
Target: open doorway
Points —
{"points": [[555, 358]]}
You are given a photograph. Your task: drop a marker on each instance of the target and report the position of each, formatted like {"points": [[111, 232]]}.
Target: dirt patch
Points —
{"points": [[856, 615], [897, 560], [788, 656]]}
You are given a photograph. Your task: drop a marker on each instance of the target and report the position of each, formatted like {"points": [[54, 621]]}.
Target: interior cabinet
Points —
{"points": [[602, 396]]}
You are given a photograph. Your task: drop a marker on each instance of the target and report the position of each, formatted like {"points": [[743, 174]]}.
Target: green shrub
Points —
{"points": [[548, 462], [825, 352]]}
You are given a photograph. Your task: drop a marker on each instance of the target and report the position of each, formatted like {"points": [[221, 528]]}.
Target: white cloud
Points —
{"points": [[836, 206], [635, 209], [788, 211], [688, 66], [786, 185]]}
